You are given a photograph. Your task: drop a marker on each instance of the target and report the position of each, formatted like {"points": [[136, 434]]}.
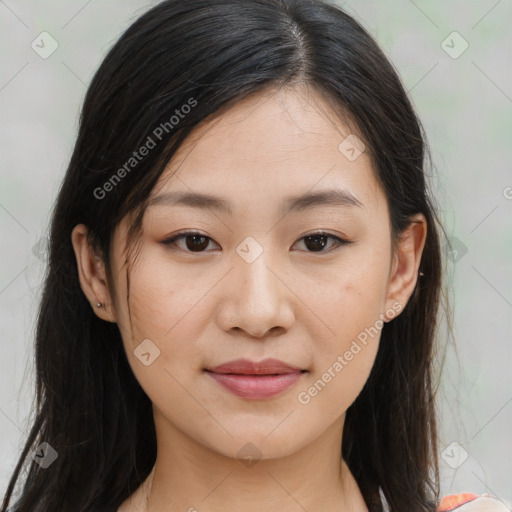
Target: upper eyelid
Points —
{"points": [[197, 233], [340, 240]]}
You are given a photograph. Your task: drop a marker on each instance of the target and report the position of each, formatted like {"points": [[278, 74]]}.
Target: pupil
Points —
{"points": [[197, 246], [321, 245]]}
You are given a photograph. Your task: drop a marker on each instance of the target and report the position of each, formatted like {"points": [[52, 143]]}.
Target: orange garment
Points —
{"points": [[456, 500], [470, 502]]}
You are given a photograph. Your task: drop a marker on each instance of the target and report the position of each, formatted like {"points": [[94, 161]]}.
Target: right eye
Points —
{"points": [[194, 241]]}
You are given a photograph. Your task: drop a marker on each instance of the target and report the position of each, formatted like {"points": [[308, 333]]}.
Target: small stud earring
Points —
{"points": [[99, 305], [421, 273]]}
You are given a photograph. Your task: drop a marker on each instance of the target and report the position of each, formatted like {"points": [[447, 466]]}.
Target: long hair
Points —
{"points": [[178, 64]]}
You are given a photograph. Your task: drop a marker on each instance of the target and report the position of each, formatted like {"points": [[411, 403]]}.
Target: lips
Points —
{"points": [[255, 380], [246, 367]]}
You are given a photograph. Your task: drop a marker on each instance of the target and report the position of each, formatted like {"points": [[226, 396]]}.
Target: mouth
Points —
{"points": [[256, 380]]}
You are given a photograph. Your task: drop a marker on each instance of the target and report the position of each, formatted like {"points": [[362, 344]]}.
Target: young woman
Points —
{"points": [[244, 277]]}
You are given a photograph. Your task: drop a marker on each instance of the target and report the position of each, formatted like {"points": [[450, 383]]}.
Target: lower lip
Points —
{"points": [[256, 386]]}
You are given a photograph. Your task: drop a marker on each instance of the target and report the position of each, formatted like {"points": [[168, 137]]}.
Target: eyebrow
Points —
{"points": [[310, 200]]}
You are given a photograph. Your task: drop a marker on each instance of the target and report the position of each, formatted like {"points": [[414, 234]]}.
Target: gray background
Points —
{"points": [[465, 103]]}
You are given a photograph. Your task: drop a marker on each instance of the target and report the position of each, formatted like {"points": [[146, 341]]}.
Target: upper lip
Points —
{"points": [[247, 367]]}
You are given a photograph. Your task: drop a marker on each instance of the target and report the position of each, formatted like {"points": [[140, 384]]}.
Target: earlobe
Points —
{"points": [[407, 258], [91, 273]]}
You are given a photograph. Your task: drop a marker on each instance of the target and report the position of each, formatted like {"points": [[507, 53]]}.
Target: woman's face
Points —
{"points": [[252, 286]]}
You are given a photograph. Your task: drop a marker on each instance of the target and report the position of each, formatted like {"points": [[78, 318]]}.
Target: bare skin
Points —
{"points": [[293, 302]]}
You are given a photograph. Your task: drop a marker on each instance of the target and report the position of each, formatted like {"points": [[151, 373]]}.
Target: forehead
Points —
{"points": [[274, 143]]}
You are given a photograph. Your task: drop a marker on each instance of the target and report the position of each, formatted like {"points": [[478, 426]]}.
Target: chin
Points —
{"points": [[263, 444]]}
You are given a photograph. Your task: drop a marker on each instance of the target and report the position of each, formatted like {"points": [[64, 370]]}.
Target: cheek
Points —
{"points": [[347, 302], [165, 320], [345, 356], [350, 308], [163, 299], [167, 311], [334, 386]]}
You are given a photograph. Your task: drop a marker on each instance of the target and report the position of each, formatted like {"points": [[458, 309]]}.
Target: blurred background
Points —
{"points": [[455, 59]]}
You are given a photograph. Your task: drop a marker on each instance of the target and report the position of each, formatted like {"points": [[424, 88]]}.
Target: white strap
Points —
{"points": [[385, 504]]}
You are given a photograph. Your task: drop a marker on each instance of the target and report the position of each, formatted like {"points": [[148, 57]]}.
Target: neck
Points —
{"points": [[188, 476]]}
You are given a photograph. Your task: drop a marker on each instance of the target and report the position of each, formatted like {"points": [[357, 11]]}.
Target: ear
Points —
{"points": [[91, 272], [405, 264]]}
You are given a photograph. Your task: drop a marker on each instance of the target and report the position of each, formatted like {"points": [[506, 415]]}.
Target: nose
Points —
{"points": [[256, 299]]}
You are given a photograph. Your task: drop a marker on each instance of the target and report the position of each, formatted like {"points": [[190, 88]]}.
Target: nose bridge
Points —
{"points": [[260, 300], [253, 262]]}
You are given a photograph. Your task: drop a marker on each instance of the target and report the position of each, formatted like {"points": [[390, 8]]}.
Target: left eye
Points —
{"points": [[318, 241], [197, 242]]}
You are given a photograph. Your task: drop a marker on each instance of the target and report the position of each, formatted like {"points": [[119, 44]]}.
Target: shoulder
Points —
{"points": [[469, 502]]}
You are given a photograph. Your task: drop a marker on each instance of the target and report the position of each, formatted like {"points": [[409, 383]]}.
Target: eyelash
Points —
{"points": [[339, 242]]}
